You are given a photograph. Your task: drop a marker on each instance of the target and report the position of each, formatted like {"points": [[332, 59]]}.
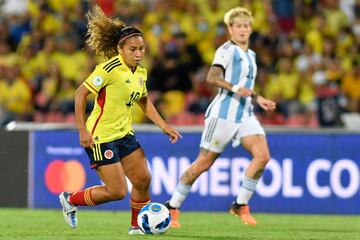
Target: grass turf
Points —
{"points": [[49, 224]]}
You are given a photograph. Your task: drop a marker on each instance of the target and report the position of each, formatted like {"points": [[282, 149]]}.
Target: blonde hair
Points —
{"points": [[237, 12], [103, 33]]}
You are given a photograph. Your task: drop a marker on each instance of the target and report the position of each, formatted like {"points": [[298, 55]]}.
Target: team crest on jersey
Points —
{"points": [[97, 81], [141, 81], [109, 154]]}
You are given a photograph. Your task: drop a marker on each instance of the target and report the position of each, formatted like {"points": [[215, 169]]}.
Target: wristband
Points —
{"points": [[235, 88]]}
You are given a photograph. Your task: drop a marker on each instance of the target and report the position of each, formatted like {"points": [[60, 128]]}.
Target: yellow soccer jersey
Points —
{"points": [[117, 88]]}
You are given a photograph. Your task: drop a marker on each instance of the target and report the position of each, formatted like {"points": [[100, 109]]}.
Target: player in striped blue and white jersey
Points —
{"points": [[239, 69], [230, 117]]}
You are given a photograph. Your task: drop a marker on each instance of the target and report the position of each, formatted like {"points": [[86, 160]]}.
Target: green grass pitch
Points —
{"points": [[99, 225]]}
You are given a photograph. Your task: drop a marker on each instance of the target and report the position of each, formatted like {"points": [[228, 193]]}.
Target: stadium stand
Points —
{"points": [[308, 57]]}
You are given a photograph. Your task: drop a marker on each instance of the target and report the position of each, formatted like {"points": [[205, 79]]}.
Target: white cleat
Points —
{"points": [[135, 231], [69, 211]]}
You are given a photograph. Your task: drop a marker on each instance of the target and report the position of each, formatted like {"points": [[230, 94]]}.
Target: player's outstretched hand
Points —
{"points": [[266, 104], [86, 139], [172, 132]]}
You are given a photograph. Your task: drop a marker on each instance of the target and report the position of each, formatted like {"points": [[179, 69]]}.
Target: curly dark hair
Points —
{"points": [[103, 33]]}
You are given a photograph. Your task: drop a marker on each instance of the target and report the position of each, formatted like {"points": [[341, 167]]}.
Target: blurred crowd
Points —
{"points": [[307, 54]]}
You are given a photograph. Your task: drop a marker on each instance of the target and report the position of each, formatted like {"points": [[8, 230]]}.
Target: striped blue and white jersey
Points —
{"points": [[239, 69]]}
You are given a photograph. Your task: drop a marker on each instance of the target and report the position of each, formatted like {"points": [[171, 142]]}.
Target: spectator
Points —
{"points": [[15, 97], [181, 41], [350, 85]]}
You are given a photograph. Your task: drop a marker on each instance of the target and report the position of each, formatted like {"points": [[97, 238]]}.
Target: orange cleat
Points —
{"points": [[175, 218], [243, 211]]}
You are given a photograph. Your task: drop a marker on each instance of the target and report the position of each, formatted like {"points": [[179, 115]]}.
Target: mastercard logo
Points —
{"points": [[65, 176]]}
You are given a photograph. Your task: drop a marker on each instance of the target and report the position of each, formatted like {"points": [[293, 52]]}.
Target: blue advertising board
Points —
{"points": [[308, 173]]}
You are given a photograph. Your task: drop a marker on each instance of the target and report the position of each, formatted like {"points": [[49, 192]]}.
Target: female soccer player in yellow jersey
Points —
{"points": [[107, 135]]}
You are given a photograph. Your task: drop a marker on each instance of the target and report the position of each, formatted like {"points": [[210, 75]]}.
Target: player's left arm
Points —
{"points": [[150, 111], [264, 103]]}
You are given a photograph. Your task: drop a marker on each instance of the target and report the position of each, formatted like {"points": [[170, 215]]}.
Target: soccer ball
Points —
{"points": [[154, 218]]}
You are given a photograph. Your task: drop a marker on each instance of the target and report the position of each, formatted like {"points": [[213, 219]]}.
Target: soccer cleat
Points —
{"points": [[135, 231], [69, 210], [243, 211], [174, 213]]}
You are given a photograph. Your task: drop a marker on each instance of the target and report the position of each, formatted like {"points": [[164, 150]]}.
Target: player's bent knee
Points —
{"points": [[263, 159], [142, 182], [118, 195]]}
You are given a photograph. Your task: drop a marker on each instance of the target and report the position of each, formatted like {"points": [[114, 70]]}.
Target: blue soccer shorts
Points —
{"points": [[111, 152]]}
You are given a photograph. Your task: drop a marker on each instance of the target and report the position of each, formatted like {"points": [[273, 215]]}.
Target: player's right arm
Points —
{"points": [[93, 84], [214, 77], [216, 73], [86, 139]]}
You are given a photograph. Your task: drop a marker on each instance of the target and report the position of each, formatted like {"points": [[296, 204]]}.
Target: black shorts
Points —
{"points": [[111, 152]]}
